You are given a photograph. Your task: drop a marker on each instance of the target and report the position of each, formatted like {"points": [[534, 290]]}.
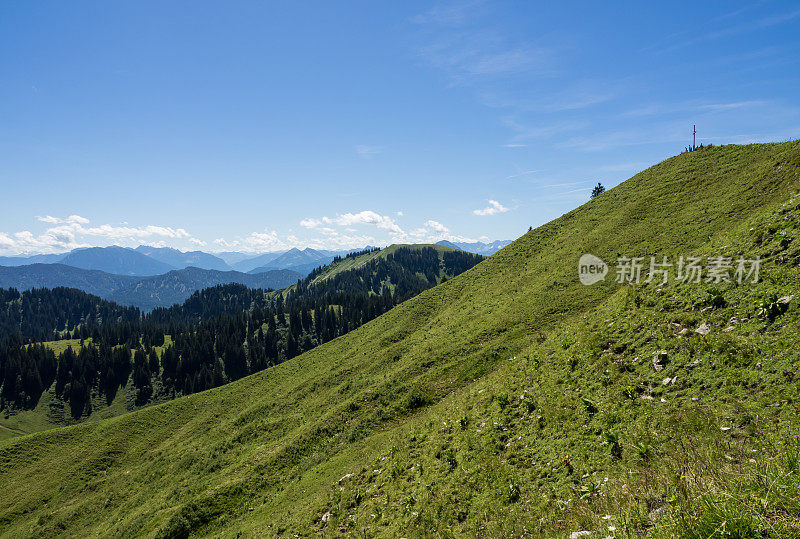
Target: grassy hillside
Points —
{"points": [[496, 403], [51, 411], [355, 262]]}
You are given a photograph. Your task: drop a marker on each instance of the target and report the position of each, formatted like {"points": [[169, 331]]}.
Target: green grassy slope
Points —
{"points": [[52, 411], [359, 261], [462, 410]]}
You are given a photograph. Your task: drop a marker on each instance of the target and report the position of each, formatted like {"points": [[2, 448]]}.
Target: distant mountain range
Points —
{"points": [[302, 261], [179, 259], [114, 259], [149, 277], [478, 247], [146, 292], [147, 261]]}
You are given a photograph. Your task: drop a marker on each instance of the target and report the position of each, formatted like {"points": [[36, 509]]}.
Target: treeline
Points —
{"points": [[43, 314], [219, 334]]}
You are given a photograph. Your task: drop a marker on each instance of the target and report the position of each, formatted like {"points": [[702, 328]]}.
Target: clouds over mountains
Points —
{"points": [[75, 231], [341, 231]]}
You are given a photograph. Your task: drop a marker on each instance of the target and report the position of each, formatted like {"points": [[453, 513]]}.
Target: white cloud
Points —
{"points": [[77, 219], [347, 236], [368, 151], [366, 217], [264, 242], [433, 231], [226, 244], [493, 208], [195, 241], [48, 219], [73, 232], [436, 226], [310, 223]]}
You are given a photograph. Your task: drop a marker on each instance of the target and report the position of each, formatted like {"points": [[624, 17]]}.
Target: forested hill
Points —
{"points": [[218, 335], [43, 314]]}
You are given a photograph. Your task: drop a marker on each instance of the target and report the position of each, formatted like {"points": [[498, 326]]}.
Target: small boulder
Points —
{"points": [[704, 329], [659, 360], [693, 364]]}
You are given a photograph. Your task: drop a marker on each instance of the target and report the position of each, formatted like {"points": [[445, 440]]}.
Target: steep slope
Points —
{"points": [[419, 423], [117, 260], [180, 259]]}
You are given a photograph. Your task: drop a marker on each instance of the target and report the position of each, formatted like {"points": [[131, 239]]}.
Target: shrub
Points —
{"points": [[715, 299], [612, 441], [416, 399], [450, 458], [643, 450], [591, 408], [771, 307], [503, 400]]}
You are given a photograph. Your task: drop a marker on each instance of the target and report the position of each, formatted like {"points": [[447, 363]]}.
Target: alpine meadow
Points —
{"points": [[423, 269]]}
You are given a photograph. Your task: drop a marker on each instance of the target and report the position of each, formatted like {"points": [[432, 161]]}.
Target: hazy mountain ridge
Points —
{"points": [[118, 260], [184, 259], [147, 260], [477, 247], [145, 292]]}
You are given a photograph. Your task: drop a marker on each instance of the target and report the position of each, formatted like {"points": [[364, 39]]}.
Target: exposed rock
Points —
{"points": [[346, 476], [657, 513], [668, 381], [785, 299], [659, 359], [693, 364], [704, 329], [759, 366], [326, 517], [578, 535], [657, 366], [728, 329]]}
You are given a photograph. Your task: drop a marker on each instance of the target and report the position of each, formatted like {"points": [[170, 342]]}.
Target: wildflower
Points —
{"points": [[607, 517], [612, 528]]}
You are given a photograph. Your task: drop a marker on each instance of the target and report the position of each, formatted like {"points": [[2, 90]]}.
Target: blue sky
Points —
{"points": [[262, 125]]}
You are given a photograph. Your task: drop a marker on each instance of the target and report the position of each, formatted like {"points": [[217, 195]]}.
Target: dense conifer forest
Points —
{"points": [[218, 335]]}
